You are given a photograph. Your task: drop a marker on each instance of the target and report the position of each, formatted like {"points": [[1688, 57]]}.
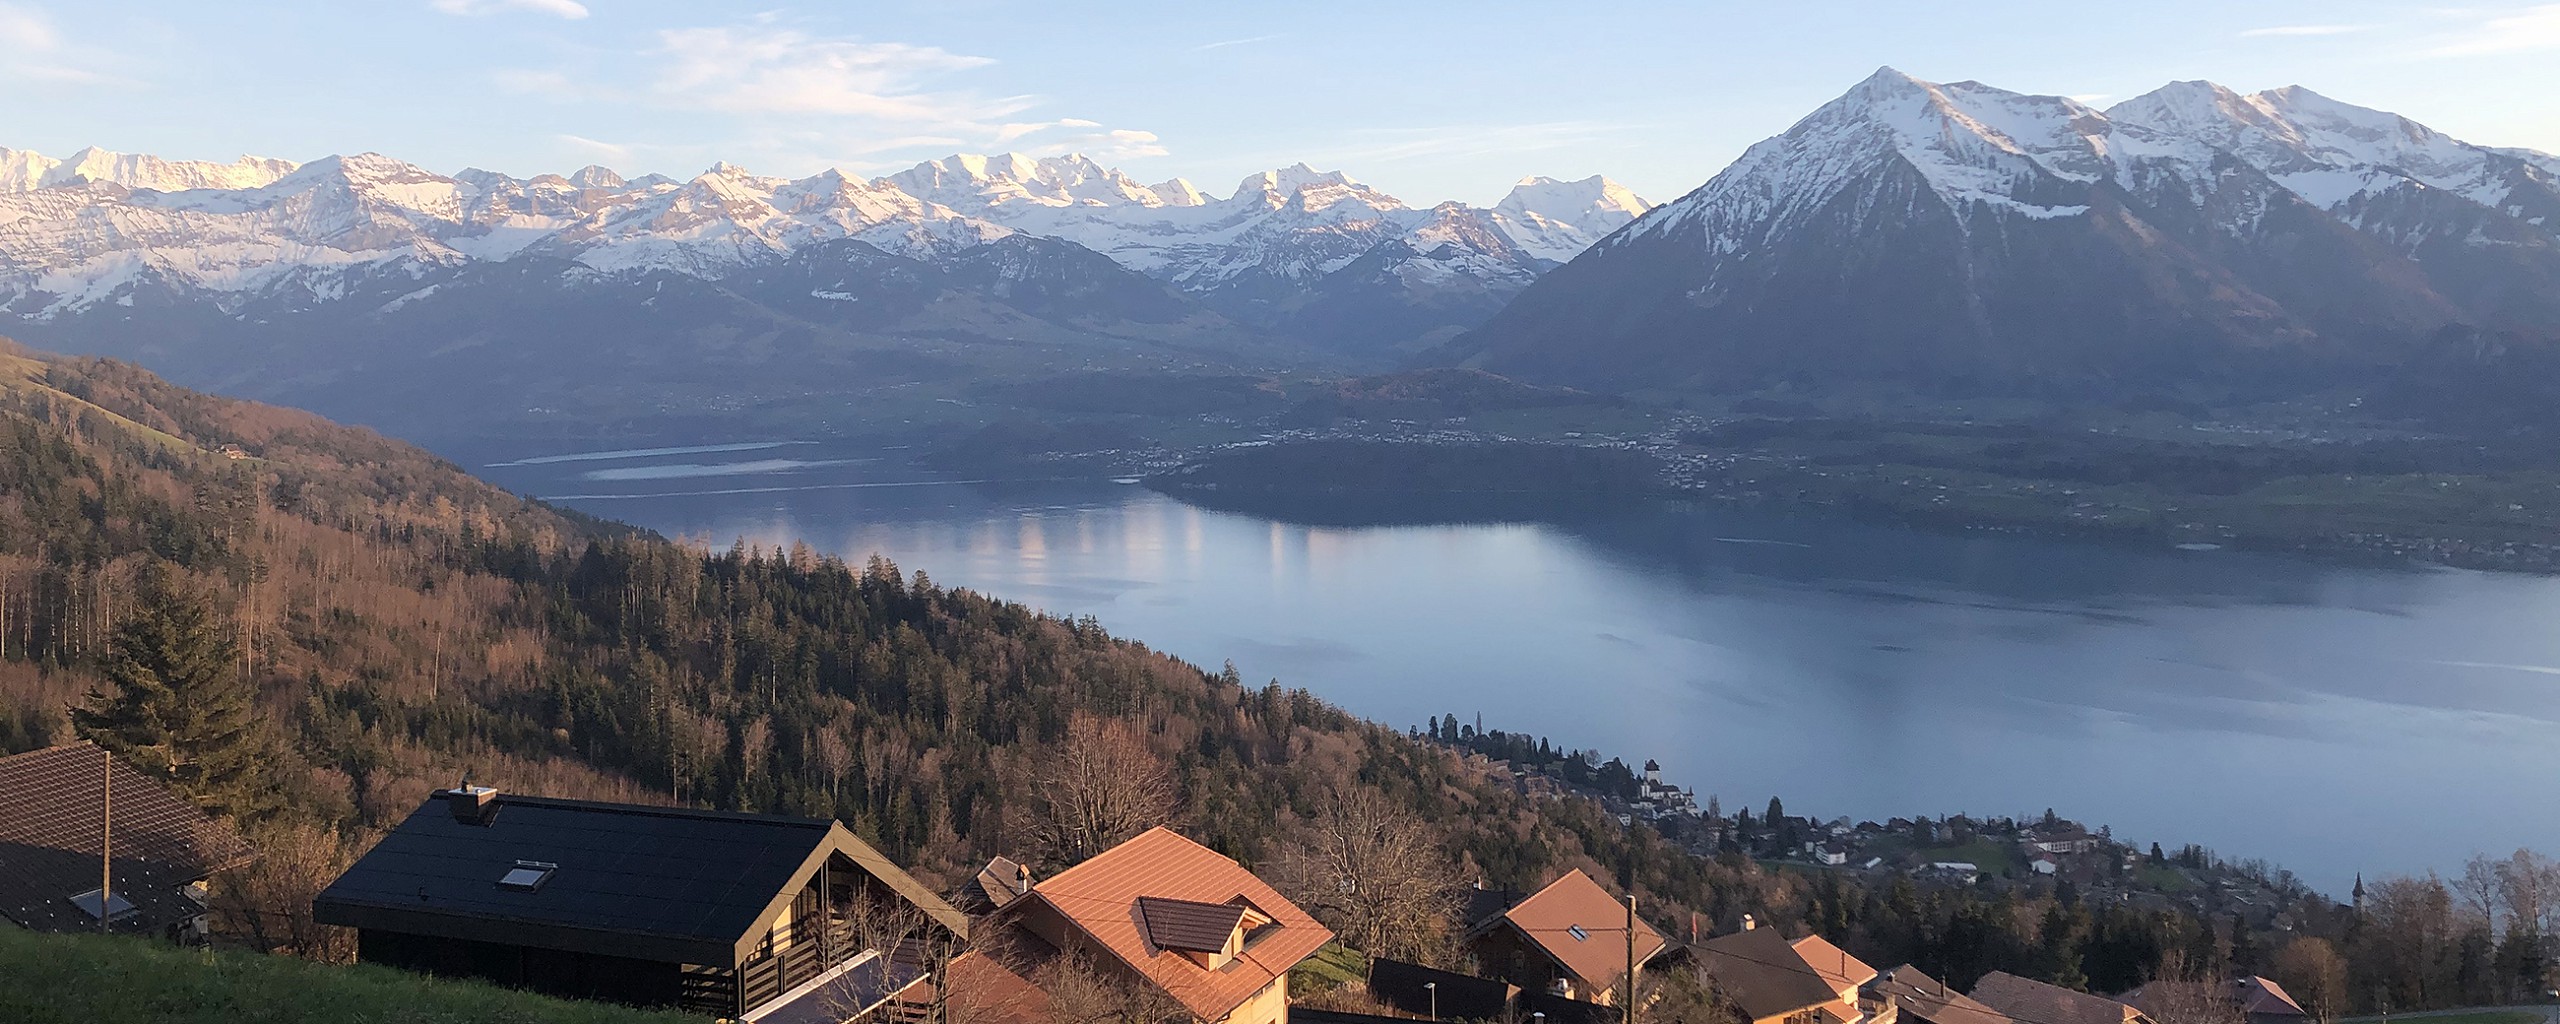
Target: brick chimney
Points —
{"points": [[471, 805]]}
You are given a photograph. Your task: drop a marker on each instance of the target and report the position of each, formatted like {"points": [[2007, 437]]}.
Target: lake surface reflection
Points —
{"points": [[2332, 719]]}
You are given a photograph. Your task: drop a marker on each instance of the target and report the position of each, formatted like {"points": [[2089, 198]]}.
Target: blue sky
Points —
{"points": [[1429, 100]]}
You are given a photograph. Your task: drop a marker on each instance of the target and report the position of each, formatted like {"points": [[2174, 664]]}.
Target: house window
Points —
{"points": [[1578, 934], [527, 875]]}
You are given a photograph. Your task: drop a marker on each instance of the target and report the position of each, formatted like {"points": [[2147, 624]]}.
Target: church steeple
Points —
{"points": [[2359, 893]]}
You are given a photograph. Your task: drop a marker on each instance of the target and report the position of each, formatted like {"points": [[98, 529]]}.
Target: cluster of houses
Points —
{"points": [[771, 919]]}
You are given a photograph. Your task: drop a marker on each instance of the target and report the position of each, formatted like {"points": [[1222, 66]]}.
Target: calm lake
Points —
{"points": [[2332, 719]]}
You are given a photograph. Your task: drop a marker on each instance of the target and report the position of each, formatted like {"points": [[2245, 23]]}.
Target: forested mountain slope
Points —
{"points": [[405, 623]]}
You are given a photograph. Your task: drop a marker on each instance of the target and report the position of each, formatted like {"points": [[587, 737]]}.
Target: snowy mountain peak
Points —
{"points": [[22, 170], [597, 176], [1178, 192], [1554, 220], [1288, 181]]}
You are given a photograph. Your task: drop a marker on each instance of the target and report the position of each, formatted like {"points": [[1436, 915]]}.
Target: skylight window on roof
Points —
{"points": [[527, 875], [1578, 934], [117, 905]]}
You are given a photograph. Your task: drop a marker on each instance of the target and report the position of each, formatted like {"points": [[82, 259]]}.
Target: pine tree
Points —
{"points": [[179, 712]]}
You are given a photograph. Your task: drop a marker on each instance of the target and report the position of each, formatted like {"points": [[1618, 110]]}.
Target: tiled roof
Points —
{"points": [[2263, 997], [1584, 929], [1921, 997], [1101, 897], [49, 832], [1843, 972], [1763, 973], [2034, 1002], [1188, 926]]}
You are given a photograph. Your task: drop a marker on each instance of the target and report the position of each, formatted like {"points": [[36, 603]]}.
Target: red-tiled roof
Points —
{"points": [[1843, 972], [1584, 929], [1101, 896], [49, 833], [2262, 996]]}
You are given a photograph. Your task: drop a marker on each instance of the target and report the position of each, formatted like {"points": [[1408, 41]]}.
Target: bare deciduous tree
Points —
{"points": [[1684, 994], [2184, 993], [1375, 874], [2315, 975], [914, 943], [1080, 992], [266, 902], [1101, 787]]}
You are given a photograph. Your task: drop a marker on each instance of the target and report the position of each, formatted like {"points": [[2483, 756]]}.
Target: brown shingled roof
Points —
{"points": [[1102, 899], [49, 832], [2034, 1002], [1923, 998], [1584, 929], [1763, 973]]}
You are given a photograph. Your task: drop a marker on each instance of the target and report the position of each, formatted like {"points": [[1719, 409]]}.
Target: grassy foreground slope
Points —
{"points": [[94, 979]]}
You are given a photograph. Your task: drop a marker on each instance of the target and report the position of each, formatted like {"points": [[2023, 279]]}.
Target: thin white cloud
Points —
{"points": [[800, 101], [570, 9], [597, 147], [32, 49], [759, 69], [1248, 40], [2525, 30], [2304, 30]]}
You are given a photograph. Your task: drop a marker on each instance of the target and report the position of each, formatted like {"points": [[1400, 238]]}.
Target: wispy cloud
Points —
{"points": [[802, 100], [1248, 40], [761, 69], [33, 49], [2304, 30], [597, 147], [2525, 30], [570, 9]]}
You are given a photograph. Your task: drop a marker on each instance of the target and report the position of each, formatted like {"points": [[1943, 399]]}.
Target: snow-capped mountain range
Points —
{"points": [[1958, 233], [79, 233]]}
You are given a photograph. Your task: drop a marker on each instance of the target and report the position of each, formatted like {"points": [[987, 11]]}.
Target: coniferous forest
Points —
{"points": [[308, 627]]}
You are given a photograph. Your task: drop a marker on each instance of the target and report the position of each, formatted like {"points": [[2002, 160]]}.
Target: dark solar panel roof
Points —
{"points": [[1185, 925], [49, 834], [696, 881]]}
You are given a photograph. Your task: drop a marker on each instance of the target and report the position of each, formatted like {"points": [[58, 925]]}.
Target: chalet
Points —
{"points": [[1169, 914], [2021, 999], [1769, 980], [1844, 973], [1568, 939], [1916, 998], [158, 860], [764, 918]]}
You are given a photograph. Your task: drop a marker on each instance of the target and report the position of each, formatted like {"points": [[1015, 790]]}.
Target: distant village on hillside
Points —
{"points": [[2045, 853]]}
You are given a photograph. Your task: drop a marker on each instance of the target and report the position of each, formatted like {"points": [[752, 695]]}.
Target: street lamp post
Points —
{"points": [[1433, 987]]}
